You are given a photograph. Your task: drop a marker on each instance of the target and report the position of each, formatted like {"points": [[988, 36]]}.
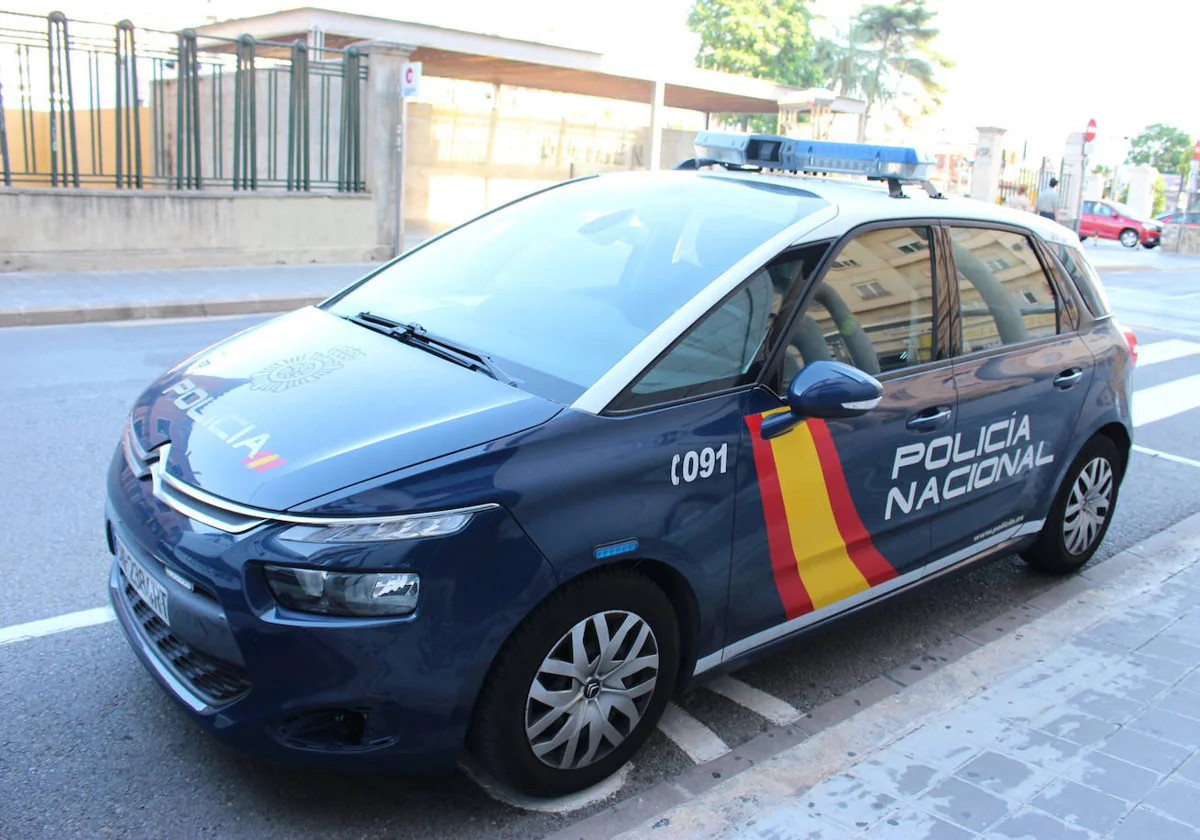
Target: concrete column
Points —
{"points": [[1141, 190], [985, 177], [1070, 188], [656, 124], [381, 152]]}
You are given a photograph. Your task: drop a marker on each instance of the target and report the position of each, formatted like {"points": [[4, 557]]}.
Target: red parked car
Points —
{"points": [[1114, 220]]}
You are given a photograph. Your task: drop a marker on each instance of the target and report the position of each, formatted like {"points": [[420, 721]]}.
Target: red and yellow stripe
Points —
{"points": [[263, 461], [820, 550]]}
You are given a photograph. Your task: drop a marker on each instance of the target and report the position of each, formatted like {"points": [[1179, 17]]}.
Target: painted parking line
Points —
{"points": [[58, 624], [1165, 351], [699, 742], [768, 706], [1166, 456], [1166, 400]]}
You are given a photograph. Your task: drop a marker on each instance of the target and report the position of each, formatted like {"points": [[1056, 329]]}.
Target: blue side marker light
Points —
{"points": [[613, 550]]}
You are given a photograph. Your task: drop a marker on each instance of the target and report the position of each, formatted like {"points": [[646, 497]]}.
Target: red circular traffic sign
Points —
{"points": [[408, 75], [1090, 134], [1196, 151]]}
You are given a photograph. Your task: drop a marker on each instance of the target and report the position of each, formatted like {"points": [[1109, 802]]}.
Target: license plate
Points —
{"points": [[152, 592]]}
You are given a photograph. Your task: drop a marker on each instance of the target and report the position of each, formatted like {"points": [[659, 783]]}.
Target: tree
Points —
{"points": [[759, 38], [1164, 147], [884, 47]]}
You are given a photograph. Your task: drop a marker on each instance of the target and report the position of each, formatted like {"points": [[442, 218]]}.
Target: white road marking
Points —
{"points": [[1166, 456], [1165, 351], [58, 624], [779, 712], [690, 735], [1166, 400]]}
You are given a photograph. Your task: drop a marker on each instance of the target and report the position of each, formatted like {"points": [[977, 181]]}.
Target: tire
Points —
{"points": [[1129, 238], [1071, 536], [1149, 245], [510, 722]]}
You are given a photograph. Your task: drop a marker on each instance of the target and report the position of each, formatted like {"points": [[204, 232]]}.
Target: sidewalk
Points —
{"points": [[69, 297], [36, 298], [1083, 722]]}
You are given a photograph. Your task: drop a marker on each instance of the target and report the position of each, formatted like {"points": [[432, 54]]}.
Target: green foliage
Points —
{"points": [[1164, 147], [759, 38], [1159, 204], [884, 46]]}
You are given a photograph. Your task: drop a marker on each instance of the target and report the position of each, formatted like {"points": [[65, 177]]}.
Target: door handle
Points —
{"points": [[1068, 378], [929, 419]]}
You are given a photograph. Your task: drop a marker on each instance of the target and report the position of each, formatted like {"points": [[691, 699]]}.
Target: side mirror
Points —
{"points": [[827, 390]]}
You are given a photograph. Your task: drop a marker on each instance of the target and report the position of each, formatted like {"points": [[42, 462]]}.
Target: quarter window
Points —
{"points": [[875, 311], [1004, 294]]}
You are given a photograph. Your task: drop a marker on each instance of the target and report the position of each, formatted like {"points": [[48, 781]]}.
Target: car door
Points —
{"points": [[1022, 374], [820, 520], [1087, 219], [1106, 221]]}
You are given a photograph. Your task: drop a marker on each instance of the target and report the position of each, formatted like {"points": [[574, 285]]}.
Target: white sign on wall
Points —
{"points": [[410, 79]]}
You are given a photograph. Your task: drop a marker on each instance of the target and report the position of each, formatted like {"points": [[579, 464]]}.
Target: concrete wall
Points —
{"points": [[62, 229]]}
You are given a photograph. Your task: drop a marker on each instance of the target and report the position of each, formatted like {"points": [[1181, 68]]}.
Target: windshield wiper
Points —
{"points": [[415, 335]]}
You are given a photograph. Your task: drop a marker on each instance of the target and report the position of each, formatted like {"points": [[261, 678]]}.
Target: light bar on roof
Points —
{"points": [[773, 151]]}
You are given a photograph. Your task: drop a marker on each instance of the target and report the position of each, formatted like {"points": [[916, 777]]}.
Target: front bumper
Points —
{"points": [[388, 694]]}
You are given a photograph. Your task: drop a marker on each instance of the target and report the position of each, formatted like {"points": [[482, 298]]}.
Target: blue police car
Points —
{"points": [[514, 489]]}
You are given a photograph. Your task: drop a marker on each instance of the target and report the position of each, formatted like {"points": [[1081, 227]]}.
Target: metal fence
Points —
{"points": [[85, 104]]}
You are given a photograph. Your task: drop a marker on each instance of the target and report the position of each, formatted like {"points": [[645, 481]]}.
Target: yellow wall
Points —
{"points": [[103, 159]]}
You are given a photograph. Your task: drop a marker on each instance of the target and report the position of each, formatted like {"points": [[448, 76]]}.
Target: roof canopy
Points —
{"points": [[457, 54]]}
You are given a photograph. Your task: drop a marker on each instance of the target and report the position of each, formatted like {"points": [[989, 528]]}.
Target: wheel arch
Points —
{"points": [[1119, 435]]}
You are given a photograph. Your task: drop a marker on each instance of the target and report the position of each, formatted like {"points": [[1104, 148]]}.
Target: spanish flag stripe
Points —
{"points": [[874, 567], [262, 459], [270, 464], [825, 566], [792, 594]]}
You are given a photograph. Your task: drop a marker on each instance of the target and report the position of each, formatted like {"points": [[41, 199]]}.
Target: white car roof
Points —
{"points": [[860, 202]]}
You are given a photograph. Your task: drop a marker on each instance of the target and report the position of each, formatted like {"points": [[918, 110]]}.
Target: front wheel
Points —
{"points": [[1081, 512], [579, 686], [1129, 238], [1149, 245]]}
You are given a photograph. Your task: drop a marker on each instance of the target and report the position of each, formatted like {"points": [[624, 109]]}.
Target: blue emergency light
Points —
{"points": [[895, 164]]}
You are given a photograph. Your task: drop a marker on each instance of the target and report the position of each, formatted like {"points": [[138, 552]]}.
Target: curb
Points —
{"points": [[140, 311], [711, 799]]}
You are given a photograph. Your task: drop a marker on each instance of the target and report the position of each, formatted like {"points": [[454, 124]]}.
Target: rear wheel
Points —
{"points": [[1082, 510], [579, 686], [1129, 238]]}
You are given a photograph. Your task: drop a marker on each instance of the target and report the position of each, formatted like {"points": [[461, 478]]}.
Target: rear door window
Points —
{"points": [[1005, 296]]}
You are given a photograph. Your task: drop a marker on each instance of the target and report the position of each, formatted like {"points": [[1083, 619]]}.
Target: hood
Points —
{"points": [[309, 403]]}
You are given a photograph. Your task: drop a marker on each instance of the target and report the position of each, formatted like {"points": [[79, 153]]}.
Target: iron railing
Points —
{"points": [[100, 105]]}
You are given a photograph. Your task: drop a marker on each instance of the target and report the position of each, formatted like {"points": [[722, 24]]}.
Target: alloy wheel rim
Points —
{"points": [[1088, 506], [591, 690], [1129, 239]]}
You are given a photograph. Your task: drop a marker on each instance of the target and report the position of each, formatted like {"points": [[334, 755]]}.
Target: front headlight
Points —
{"points": [[409, 526], [344, 593]]}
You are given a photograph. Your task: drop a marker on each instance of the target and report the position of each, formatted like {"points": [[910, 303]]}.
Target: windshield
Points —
{"points": [[558, 287]]}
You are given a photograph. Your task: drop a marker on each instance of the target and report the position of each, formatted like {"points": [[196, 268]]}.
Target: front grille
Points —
{"points": [[212, 680]]}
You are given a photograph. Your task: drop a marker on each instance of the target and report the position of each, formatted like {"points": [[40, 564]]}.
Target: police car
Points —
{"points": [[513, 490]]}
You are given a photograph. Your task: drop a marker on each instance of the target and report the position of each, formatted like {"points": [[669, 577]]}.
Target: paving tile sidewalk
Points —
{"points": [[1098, 738]]}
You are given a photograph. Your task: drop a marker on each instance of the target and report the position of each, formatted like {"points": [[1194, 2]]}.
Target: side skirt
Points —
{"points": [[982, 550]]}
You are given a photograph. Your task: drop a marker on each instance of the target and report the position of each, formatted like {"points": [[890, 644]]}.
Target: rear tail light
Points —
{"points": [[1131, 340]]}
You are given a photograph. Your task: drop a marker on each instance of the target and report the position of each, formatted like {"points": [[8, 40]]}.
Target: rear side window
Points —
{"points": [[1087, 281], [1004, 294]]}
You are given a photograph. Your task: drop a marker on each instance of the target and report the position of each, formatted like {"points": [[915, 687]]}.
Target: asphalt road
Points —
{"points": [[91, 747]]}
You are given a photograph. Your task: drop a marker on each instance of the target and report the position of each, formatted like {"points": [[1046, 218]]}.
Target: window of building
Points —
{"points": [[871, 290]]}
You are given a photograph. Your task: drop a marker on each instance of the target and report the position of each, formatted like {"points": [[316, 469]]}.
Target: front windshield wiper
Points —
{"points": [[415, 335]]}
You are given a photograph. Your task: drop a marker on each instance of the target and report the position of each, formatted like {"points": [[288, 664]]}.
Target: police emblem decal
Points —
{"points": [[303, 369]]}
